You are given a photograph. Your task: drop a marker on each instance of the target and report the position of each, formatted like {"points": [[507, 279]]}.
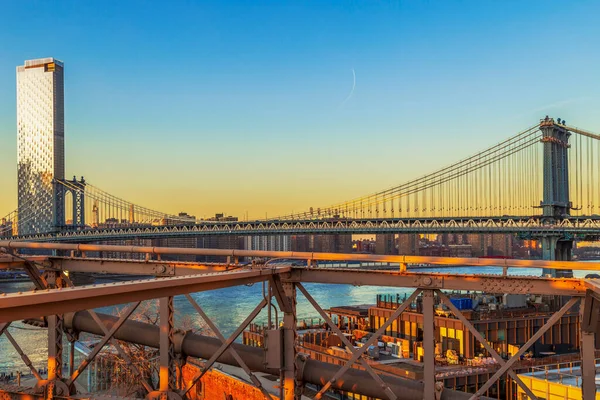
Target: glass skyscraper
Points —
{"points": [[40, 145]]}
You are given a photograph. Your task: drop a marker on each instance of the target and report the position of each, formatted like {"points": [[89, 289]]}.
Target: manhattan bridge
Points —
{"points": [[538, 184]]}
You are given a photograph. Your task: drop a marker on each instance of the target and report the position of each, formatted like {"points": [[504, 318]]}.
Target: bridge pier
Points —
{"points": [[559, 249]]}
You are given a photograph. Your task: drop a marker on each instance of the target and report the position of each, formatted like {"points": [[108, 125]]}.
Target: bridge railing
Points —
{"points": [[68, 309]]}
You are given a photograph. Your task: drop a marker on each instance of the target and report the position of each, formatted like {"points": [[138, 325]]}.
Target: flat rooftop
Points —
{"points": [[565, 376], [360, 310]]}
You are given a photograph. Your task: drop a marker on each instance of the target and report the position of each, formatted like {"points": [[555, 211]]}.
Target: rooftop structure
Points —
{"points": [[563, 382]]}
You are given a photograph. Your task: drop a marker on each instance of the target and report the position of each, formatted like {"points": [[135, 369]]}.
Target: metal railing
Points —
{"points": [[64, 305]]}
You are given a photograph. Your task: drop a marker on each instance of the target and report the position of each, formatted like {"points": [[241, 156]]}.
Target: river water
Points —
{"points": [[226, 307]]}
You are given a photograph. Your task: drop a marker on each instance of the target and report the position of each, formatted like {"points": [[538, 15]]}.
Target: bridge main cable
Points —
{"points": [[498, 152]]}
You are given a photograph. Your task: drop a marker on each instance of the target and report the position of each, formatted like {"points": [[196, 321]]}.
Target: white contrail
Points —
{"points": [[351, 91]]}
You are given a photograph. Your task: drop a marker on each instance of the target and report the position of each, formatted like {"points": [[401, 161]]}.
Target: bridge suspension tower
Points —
{"points": [[555, 203]]}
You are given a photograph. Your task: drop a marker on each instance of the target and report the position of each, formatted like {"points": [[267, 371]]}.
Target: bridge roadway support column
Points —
{"points": [[54, 385], [288, 372], [554, 248], [428, 346], [167, 357], [555, 204], [590, 324], [311, 371], [58, 205]]}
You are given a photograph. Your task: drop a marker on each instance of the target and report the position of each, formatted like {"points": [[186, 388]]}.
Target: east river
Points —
{"points": [[226, 307]]}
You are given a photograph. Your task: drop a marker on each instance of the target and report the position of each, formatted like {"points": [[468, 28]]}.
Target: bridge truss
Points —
{"points": [[68, 311], [584, 228]]}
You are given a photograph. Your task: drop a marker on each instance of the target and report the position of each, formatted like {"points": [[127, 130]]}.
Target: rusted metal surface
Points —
{"points": [[230, 349], [288, 330], [478, 262], [134, 267], [524, 348], [315, 372], [168, 370], [589, 310], [295, 369], [55, 333], [485, 283], [456, 312], [98, 347], [225, 345], [17, 306], [390, 394], [594, 286], [428, 346]]}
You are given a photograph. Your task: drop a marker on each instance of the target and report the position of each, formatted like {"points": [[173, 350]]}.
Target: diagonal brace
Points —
{"points": [[551, 321], [24, 357], [347, 343], [224, 347], [484, 342], [120, 350], [4, 327], [356, 355], [115, 343], [231, 350], [102, 343]]}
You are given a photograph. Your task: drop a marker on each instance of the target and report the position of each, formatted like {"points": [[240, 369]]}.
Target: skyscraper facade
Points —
{"points": [[40, 145]]}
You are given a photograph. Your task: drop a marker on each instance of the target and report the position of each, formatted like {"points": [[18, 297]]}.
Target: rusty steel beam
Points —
{"points": [[98, 347], [467, 324], [24, 356], [485, 283], [428, 345], [390, 394], [504, 368], [225, 346], [134, 267], [121, 352], [594, 286], [9, 261], [230, 349], [18, 306], [311, 371], [168, 368], [374, 338], [478, 262], [589, 310]]}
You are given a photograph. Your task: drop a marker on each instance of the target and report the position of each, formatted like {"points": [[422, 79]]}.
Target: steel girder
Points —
{"points": [[17, 306], [523, 225]]}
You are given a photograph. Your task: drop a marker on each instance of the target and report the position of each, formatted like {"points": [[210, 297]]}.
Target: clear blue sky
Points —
{"points": [[243, 106]]}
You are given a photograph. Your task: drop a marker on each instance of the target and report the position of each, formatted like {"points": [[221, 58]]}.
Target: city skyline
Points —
{"points": [[150, 126]]}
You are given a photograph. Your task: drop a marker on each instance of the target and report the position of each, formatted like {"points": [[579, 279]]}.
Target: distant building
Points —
{"points": [[182, 218], [6, 228], [268, 242], [188, 242], [364, 246], [334, 243], [222, 218], [322, 243], [40, 145], [385, 244], [300, 243], [460, 250], [408, 244]]}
